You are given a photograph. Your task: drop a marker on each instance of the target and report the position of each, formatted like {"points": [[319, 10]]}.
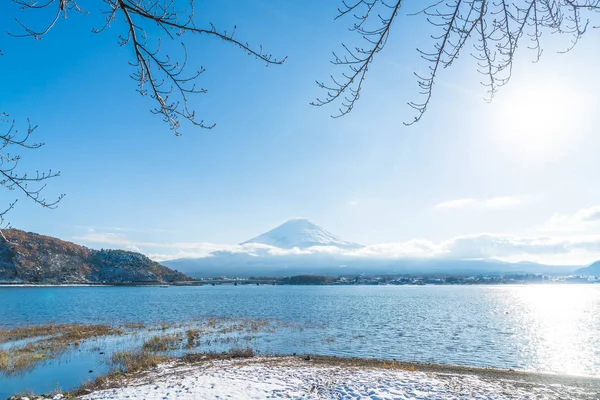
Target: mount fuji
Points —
{"points": [[301, 233], [299, 246]]}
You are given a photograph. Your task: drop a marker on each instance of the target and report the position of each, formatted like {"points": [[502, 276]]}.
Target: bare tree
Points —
{"points": [[12, 178], [163, 77], [495, 28]]}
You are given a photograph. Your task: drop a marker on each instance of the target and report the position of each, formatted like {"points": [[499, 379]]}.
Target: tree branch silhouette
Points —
{"points": [[164, 78], [495, 28], [30, 185]]}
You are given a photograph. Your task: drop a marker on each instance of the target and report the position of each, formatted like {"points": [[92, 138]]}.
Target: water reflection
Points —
{"points": [[559, 325], [553, 328]]}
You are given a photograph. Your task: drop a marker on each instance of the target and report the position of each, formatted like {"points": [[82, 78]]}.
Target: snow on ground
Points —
{"points": [[290, 378]]}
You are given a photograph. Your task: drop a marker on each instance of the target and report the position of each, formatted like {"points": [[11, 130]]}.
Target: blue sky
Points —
{"points": [[507, 169]]}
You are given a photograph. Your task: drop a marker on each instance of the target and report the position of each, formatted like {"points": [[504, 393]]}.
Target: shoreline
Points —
{"points": [[51, 285], [456, 369], [158, 284], [210, 283], [211, 376]]}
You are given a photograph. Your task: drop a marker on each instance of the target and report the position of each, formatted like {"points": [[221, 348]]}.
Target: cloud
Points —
{"points": [[492, 202], [408, 249], [506, 201], [455, 203], [487, 245], [583, 220], [189, 249], [591, 214], [553, 248], [353, 202], [122, 229], [543, 248]]}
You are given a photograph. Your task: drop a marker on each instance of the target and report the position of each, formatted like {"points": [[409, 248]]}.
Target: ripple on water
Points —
{"points": [[553, 328]]}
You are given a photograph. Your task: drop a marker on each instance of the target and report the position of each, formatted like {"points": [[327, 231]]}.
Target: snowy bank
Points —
{"points": [[295, 378]]}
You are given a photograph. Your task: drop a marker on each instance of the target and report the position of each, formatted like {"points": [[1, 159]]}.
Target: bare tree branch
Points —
{"points": [[11, 178], [161, 76], [494, 27], [357, 60]]}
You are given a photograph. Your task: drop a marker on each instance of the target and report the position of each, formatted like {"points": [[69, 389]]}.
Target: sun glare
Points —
{"points": [[558, 324], [540, 121]]}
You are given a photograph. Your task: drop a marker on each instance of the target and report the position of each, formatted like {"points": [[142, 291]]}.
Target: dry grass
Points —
{"points": [[135, 360], [70, 331], [249, 326], [82, 332], [21, 359], [162, 343], [397, 366], [51, 340], [100, 383], [164, 326], [374, 363], [139, 361], [55, 339], [134, 325], [28, 394], [224, 325], [241, 353], [233, 353], [124, 362], [192, 336], [4, 360], [8, 335]]}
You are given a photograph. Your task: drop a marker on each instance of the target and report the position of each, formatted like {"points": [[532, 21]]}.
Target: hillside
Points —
{"points": [[257, 264], [31, 258], [591, 270]]}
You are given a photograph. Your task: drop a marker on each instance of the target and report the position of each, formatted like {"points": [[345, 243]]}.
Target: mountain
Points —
{"points": [[327, 254], [301, 233], [31, 258], [253, 264], [591, 270]]}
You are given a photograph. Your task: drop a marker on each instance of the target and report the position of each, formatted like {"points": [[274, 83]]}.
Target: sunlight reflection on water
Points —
{"points": [[550, 328], [560, 325]]}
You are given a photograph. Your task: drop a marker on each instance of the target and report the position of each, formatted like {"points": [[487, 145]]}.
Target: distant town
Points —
{"points": [[400, 280]]}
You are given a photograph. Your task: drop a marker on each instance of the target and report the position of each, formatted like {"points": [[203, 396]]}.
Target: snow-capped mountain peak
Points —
{"points": [[301, 233]]}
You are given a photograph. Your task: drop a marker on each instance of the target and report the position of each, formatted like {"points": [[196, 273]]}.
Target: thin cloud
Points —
{"points": [[591, 214], [505, 201], [558, 247], [122, 229], [580, 249], [492, 202], [455, 203], [584, 219], [186, 249]]}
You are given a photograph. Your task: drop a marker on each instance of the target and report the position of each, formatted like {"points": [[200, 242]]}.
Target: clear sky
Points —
{"points": [[522, 170]]}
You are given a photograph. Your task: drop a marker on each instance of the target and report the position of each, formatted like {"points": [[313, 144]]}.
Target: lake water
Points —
{"points": [[551, 328]]}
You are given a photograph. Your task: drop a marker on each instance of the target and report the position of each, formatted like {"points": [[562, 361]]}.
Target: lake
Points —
{"points": [[550, 328]]}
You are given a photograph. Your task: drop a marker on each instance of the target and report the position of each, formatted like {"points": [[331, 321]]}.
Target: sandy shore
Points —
{"points": [[333, 378]]}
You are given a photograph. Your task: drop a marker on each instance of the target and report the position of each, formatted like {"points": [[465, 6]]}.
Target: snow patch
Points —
{"points": [[289, 378], [301, 233]]}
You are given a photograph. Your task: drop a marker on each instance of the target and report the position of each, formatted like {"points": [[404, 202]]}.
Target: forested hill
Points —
{"points": [[31, 258]]}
